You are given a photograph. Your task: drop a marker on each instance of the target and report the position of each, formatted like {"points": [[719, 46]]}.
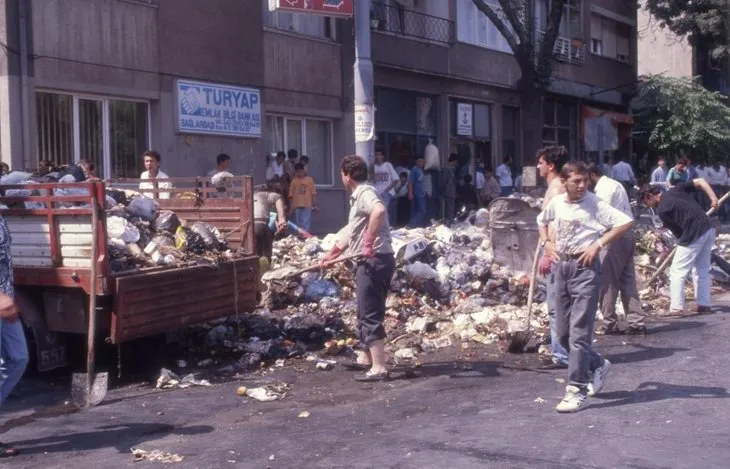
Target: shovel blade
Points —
{"points": [[89, 394]]}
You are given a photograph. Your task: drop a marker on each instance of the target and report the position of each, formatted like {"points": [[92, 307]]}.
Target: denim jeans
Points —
{"points": [[418, 212], [696, 258], [560, 354], [303, 218], [506, 191], [14, 352], [576, 300]]}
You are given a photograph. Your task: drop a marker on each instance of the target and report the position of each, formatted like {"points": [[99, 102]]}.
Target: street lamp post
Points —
{"points": [[364, 107]]}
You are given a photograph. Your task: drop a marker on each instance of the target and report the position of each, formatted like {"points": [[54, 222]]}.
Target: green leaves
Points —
{"points": [[679, 114]]}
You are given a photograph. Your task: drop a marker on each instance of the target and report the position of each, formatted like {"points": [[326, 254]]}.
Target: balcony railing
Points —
{"points": [[401, 21]]}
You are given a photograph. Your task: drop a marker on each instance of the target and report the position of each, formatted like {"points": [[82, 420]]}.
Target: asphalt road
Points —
{"points": [[665, 405]]}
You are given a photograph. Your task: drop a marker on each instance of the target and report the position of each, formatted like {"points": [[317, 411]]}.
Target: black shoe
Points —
{"points": [[609, 331], [637, 330]]}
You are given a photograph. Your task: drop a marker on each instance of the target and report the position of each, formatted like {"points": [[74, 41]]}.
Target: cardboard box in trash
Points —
{"points": [[408, 245]]}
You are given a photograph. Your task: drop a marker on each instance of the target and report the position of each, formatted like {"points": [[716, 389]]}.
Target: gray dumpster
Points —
{"points": [[514, 233]]}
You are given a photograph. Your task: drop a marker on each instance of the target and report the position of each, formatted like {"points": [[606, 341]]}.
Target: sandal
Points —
{"points": [[355, 366], [7, 451], [373, 377]]}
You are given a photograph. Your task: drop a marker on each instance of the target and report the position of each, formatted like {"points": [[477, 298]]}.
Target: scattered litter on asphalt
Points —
{"points": [[156, 456], [304, 414], [169, 380], [325, 365], [241, 391], [271, 392], [539, 400]]}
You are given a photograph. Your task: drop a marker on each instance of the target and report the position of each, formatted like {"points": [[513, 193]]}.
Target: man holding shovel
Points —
{"points": [[680, 212], [367, 233], [574, 227], [550, 161]]}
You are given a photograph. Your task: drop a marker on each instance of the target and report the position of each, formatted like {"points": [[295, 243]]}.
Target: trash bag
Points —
{"points": [[431, 157], [119, 196], [15, 177], [188, 240], [421, 271], [120, 229], [208, 233], [144, 208], [71, 174], [166, 221], [321, 288]]}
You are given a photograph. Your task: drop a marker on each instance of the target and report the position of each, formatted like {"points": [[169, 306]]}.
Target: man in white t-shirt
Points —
{"points": [[386, 178], [619, 271], [153, 174], [574, 227], [504, 176]]}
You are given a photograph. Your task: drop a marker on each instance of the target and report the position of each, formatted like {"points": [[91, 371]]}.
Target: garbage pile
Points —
{"points": [[142, 235], [446, 287]]}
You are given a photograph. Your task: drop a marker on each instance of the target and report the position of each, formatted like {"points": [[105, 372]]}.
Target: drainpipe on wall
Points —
{"points": [[24, 101]]}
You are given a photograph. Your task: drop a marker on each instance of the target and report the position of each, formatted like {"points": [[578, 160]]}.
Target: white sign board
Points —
{"points": [[364, 122], [464, 126], [207, 108]]}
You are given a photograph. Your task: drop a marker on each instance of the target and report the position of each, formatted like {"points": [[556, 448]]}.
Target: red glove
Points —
{"points": [[367, 248], [333, 254], [544, 265]]}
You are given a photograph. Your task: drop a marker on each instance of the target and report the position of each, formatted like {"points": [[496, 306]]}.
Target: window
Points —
{"points": [[571, 24], [473, 27], [111, 133], [304, 24], [558, 124], [611, 37], [511, 134], [311, 137]]}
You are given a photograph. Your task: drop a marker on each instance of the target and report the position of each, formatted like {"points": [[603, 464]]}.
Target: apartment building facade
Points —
{"points": [[107, 79]]}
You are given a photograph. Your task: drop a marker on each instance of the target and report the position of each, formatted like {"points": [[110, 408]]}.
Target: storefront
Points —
{"points": [[405, 122], [471, 135]]}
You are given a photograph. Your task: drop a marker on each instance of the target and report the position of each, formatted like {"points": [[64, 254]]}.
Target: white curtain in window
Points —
{"points": [[294, 135], [275, 134], [319, 151]]}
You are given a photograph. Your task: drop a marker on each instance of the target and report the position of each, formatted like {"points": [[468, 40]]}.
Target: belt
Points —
{"points": [[569, 257]]}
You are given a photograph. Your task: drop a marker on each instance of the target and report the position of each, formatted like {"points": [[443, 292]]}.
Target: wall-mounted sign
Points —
{"points": [[207, 108], [464, 125], [338, 8]]}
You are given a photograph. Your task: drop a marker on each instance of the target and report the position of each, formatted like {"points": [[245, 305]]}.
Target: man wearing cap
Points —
{"points": [[680, 212]]}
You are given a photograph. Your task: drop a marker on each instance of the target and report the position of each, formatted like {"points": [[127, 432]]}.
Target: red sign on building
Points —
{"points": [[337, 8]]}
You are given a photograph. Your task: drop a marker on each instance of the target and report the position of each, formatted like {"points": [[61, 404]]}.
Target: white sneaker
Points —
{"points": [[572, 401], [599, 378]]}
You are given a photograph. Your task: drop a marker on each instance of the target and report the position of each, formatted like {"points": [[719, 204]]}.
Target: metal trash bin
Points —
{"points": [[515, 234]]}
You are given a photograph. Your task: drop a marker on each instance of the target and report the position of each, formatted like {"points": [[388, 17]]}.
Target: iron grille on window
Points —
{"points": [[396, 19]]}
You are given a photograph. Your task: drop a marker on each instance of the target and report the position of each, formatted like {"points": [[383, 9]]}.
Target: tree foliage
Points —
{"points": [[675, 115], [703, 22]]}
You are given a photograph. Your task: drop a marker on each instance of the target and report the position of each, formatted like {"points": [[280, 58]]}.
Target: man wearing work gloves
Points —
{"points": [[367, 233], [574, 227], [688, 222]]}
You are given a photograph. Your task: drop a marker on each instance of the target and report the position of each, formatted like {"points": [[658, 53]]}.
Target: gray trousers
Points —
{"points": [[619, 277], [372, 283], [449, 208], [576, 300]]}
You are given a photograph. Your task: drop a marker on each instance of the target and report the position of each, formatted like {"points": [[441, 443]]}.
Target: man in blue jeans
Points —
{"points": [[550, 161], [417, 194], [13, 347], [574, 227]]}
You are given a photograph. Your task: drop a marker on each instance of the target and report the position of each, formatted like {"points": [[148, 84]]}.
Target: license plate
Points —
{"points": [[51, 350]]}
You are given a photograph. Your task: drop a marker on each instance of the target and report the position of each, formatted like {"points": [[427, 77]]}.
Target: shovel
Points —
{"points": [[520, 339], [666, 261], [88, 389], [285, 273]]}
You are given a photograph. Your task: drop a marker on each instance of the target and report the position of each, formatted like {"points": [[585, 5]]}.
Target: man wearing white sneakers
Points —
{"points": [[574, 227]]}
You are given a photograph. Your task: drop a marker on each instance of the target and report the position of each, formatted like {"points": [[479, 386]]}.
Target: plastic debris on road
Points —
{"points": [[156, 456], [169, 380]]}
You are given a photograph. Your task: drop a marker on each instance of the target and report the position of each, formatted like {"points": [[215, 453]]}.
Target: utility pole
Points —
{"points": [[364, 106]]}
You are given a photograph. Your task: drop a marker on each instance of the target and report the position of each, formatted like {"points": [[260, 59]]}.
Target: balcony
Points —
{"points": [[396, 20]]}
